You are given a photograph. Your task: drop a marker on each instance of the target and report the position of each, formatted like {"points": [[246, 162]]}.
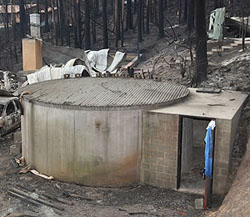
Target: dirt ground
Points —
{"points": [[137, 200]]}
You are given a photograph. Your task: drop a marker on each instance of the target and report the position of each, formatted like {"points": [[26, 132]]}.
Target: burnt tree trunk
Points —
{"points": [[142, 16], [180, 10], [129, 20], [201, 41], [38, 6], [22, 18], [94, 12], [117, 22], [190, 16], [148, 16], [6, 22], [139, 17], [218, 3], [165, 4], [97, 7], [122, 21], [105, 26], [54, 21], [185, 10], [112, 5], [79, 23], [58, 22], [135, 6], [87, 25], [161, 19], [62, 21], [75, 23], [46, 28]]}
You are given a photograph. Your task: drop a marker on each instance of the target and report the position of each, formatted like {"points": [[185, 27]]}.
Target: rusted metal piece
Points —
{"points": [[66, 76], [78, 75], [133, 62]]}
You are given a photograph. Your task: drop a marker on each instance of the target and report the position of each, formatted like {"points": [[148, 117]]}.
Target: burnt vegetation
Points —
{"points": [[115, 24]]}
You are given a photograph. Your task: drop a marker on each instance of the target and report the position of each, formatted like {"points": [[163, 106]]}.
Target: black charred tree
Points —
{"points": [[58, 22], [87, 25], [14, 36], [117, 22], [129, 18], [135, 6], [122, 22], [142, 16], [201, 41], [68, 41], [6, 22], [165, 4], [38, 6], [46, 28], [75, 24], [79, 23], [180, 10], [148, 4], [97, 6], [139, 17], [62, 21], [190, 17], [218, 3], [155, 11], [105, 26], [161, 19], [93, 19], [185, 10], [22, 18], [112, 5], [54, 19]]}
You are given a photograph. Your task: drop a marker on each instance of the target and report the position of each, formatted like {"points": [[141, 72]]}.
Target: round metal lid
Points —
{"points": [[106, 93]]}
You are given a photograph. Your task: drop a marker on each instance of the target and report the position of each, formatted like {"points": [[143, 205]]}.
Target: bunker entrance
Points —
{"points": [[192, 155]]}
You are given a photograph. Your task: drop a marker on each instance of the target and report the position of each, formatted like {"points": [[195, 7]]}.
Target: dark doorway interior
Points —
{"points": [[192, 155]]}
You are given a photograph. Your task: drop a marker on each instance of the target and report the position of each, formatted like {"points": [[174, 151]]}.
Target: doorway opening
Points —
{"points": [[192, 154]]}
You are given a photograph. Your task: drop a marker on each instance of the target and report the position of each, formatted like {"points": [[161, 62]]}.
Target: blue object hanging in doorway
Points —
{"points": [[209, 153]]}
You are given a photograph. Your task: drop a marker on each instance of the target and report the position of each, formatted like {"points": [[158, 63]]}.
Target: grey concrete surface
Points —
{"points": [[204, 105], [86, 147], [226, 109], [187, 145], [105, 93]]}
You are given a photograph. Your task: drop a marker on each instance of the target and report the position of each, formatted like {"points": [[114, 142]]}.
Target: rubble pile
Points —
{"points": [[8, 81], [232, 74]]}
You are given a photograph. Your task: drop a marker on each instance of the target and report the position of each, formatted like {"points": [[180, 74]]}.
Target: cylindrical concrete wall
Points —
{"points": [[98, 148], [89, 130]]}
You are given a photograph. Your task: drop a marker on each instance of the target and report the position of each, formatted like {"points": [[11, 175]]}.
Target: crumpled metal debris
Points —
{"points": [[94, 62], [217, 18]]}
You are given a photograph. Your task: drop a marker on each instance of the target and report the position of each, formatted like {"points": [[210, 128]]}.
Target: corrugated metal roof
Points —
{"points": [[104, 93]]}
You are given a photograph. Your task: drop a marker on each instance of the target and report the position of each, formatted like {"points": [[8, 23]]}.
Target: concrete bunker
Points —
{"points": [[116, 131], [163, 140]]}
